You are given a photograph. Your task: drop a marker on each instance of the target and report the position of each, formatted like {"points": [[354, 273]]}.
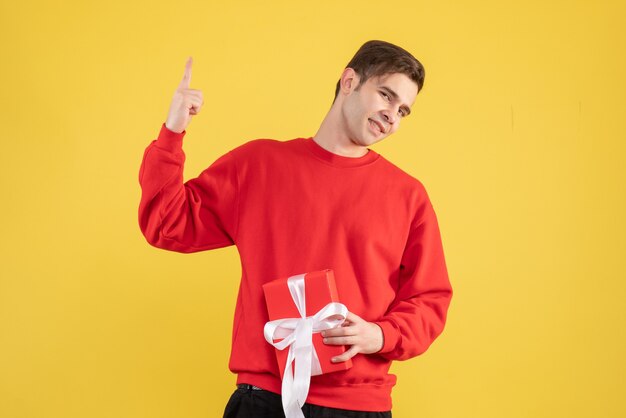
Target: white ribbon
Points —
{"points": [[297, 334]]}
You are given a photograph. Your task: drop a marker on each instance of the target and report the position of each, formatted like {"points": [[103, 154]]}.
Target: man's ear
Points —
{"points": [[349, 80]]}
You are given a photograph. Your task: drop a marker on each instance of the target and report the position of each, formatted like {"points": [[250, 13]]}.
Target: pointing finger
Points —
{"points": [[184, 83]]}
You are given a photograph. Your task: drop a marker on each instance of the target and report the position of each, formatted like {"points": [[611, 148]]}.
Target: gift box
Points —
{"points": [[319, 290]]}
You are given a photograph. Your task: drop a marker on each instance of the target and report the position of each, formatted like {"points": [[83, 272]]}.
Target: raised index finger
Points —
{"points": [[184, 83]]}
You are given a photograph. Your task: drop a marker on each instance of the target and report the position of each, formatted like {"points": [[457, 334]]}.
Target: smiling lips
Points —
{"points": [[379, 125]]}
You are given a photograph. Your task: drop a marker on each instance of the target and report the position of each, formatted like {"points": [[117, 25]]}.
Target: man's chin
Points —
{"points": [[367, 139], [371, 140], [362, 142]]}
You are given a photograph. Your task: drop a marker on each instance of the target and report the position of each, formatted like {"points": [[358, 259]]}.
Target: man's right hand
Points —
{"points": [[185, 104]]}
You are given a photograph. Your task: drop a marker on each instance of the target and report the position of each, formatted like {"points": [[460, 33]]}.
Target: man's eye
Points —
{"points": [[385, 95]]}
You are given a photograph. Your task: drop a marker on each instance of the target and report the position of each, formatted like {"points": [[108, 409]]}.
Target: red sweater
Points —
{"points": [[292, 207]]}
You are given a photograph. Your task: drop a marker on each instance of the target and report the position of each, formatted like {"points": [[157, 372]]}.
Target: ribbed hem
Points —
{"points": [[169, 140], [336, 159], [363, 397]]}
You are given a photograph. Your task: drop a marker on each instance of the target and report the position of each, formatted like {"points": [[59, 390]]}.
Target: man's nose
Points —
{"points": [[389, 116]]}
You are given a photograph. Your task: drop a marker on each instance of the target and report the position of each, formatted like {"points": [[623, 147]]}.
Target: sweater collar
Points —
{"points": [[336, 159]]}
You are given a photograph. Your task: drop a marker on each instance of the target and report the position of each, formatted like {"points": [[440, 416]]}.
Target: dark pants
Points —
{"points": [[247, 402]]}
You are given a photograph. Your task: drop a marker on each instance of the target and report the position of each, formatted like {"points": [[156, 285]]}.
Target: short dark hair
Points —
{"points": [[377, 58]]}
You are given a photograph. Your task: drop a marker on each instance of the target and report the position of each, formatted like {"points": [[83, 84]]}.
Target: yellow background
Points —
{"points": [[518, 136]]}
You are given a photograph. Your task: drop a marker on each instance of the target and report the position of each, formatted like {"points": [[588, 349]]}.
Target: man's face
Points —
{"points": [[374, 111]]}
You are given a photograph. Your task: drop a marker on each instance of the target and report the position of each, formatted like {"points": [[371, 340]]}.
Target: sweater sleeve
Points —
{"points": [[418, 313], [200, 214]]}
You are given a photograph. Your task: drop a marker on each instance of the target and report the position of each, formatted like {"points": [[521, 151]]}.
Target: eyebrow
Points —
{"points": [[393, 94]]}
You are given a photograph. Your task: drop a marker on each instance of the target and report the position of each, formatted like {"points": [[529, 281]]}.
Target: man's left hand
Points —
{"points": [[364, 337]]}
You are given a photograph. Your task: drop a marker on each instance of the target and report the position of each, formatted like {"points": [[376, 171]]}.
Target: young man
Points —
{"points": [[309, 204]]}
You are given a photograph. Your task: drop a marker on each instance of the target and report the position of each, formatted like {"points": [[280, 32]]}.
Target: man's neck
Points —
{"points": [[331, 136]]}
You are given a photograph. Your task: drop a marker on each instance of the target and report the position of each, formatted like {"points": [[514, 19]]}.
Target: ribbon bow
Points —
{"points": [[297, 334]]}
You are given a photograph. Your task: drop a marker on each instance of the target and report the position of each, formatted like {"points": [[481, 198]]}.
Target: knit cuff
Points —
{"points": [[169, 140], [390, 336]]}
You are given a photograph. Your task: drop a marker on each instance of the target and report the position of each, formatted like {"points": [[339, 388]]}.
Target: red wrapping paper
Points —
{"points": [[320, 290]]}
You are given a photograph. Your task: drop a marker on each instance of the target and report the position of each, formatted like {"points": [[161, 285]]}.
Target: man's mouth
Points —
{"points": [[378, 125]]}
